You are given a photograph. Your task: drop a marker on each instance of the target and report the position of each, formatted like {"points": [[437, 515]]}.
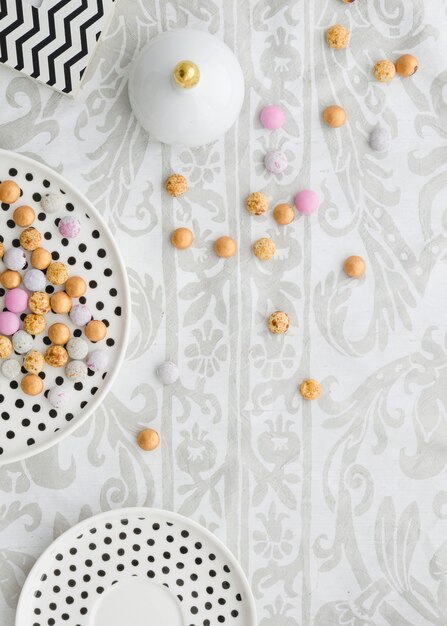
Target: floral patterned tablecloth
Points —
{"points": [[337, 509]]}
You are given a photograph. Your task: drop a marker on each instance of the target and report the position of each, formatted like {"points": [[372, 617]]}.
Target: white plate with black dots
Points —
{"points": [[136, 567], [30, 423]]}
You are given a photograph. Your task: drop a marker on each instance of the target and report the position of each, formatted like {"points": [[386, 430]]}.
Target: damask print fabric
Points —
{"points": [[336, 509]]}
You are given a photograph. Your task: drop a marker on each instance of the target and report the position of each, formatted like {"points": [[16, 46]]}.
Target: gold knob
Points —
{"points": [[186, 74]]}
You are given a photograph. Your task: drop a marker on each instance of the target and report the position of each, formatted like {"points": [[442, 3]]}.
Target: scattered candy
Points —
{"points": [[14, 259], [148, 439], [334, 116], [379, 139], [76, 371], [225, 247], [283, 214], [32, 384], [34, 280], [34, 362], [176, 185], [257, 203], [264, 248], [9, 323], [52, 203], [60, 302], [34, 324], [80, 314], [75, 287], [69, 227], [56, 356], [22, 342], [57, 273], [384, 71], [9, 192], [272, 117], [354, 266], [97, 360], [59, 334], [95, 330], [182, 238], [39, 303], [310, 389], [275, 161], [5, 347], [10, 369], [40, 258], [167, 373], [77, 348], [24, 216], [278, 323], [306, 202], [16, 300], [407, 65], [30, 238], [337, 37], [58, 397], [10, 279]]}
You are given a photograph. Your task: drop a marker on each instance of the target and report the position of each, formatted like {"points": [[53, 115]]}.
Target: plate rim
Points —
{"points": [[171, 516], [91, 408]]}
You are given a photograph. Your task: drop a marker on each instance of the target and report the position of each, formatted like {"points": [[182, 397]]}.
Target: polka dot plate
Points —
{"points": [[29, 424], [136, 567]]}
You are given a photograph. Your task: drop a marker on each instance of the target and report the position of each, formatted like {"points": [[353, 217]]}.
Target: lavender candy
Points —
{"points": [[80, 314]]}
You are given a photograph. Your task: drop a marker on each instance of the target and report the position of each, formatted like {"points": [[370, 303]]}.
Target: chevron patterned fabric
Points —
{"points": [[52, 43]]}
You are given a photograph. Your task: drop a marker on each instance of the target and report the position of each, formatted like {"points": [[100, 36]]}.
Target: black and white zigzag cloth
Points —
{"points": [[52, 43]]}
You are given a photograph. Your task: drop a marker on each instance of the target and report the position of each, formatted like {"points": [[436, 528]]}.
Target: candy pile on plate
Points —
{"points": [[30, 272]]}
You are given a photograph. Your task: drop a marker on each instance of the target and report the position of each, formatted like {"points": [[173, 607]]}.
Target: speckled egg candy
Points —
{"points": [[11, 369], [9, 323], [76, 371], [306, 202], [58, 397], [69, 227], [52, 203], [167, 373], [379, 139], [80, 314], [34, 280], [97, 360], [22, 342], [77, 348], [16, 300], [14, 259], [275, 161]]}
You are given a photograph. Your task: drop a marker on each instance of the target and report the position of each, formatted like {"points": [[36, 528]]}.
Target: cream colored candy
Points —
{"points": [[337, 37], [264, 248], [310, 389], [354, 266], [40, 258], [30, 239], [34, 362], [182, 238], [59, 334], [24, 216], [278, 323], [75, 286], [176, 185], [32, 384], [225, 247], [9, 192], [257, 203], [148, 439], [39, 303], [384, 71]]}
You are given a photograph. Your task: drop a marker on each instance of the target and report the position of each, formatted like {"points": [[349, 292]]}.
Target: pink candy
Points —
{"points": [[272, 117], [16, 300], [9, 323], [69, 227], [306, 202]]}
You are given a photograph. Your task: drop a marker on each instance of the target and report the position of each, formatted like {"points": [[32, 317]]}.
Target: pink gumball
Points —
{"points": [[9, 323], [272, 117], [306, 202], [16, 300]]}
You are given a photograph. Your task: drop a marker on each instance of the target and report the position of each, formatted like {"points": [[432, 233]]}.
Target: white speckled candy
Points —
{"points": [[97, 360], [80, 314], [77, 348], [11, 368], [69, 227], [34, 280], [379, 139], [53, 203], [22, 342], [275, 161], [58, 397], [76, 371], [14, 259], [167, 373]]}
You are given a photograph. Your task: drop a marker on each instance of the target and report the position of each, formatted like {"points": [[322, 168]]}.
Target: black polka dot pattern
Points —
{"points": [[36, 423], [101, 552]]}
